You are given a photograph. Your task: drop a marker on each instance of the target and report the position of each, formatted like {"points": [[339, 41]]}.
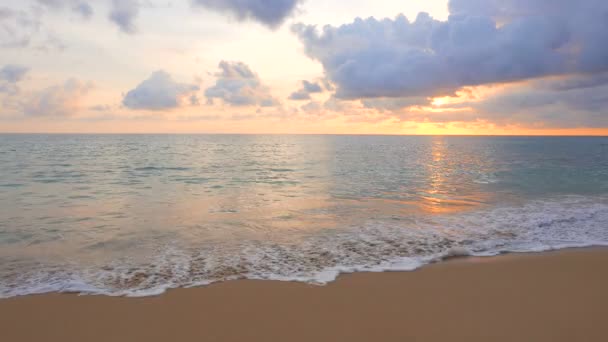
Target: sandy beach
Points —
{"points": [[558, 296]]}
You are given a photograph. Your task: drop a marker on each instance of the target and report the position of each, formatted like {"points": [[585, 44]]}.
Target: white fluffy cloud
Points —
{"points": [[482, 42], [160, 92], [238, 85], [427, 57]]}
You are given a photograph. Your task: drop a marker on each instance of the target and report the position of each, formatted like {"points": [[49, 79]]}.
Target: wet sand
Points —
{"points": [[559, 296]]}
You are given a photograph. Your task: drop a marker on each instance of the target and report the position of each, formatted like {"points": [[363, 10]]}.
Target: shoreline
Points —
{"points": [[452, 256], [551, 296]]}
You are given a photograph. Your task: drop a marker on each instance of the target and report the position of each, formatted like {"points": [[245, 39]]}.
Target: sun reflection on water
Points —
{"points": [[446, 190]]}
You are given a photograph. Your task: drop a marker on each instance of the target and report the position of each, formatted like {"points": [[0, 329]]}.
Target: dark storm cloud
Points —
{"points": [[123, 14], [160, 92], [482, 42], [238, 85], [271, 13], [304, 92]]}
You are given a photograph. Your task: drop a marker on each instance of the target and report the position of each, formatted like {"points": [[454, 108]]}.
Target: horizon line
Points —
{"points": [[306, 134]]}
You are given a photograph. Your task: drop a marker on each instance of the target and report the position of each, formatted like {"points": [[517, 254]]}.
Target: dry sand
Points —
{"points": [[560, 296]]}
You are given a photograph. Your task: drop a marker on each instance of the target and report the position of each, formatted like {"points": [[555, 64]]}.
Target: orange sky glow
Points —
{"points": [[205, 71]]}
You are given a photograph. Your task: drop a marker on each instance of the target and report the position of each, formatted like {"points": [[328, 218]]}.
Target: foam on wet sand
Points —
{"points": [[556, 296]]}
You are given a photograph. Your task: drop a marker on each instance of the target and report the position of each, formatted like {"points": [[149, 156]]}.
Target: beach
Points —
{"points": [[556, 296], [303, 170]]}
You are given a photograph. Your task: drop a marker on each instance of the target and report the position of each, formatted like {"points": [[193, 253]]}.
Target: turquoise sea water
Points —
{"points": [[137, 214]]}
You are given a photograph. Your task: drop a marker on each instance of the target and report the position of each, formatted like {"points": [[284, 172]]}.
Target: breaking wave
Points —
{"points": [[375, 246]]}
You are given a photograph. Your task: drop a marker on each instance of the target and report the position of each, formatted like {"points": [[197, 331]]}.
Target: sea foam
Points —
{"points": [[376, 246]]}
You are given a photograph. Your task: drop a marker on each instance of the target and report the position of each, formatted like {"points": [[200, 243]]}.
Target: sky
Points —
{"points": [[531, 67]]}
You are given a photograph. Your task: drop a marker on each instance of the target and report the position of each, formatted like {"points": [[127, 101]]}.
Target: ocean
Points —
{"points": [[135, 215]]}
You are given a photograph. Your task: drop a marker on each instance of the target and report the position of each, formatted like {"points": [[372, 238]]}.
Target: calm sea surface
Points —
{"points": [[137, 214]]}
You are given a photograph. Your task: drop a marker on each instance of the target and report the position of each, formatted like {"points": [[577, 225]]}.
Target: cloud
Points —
{"points": [[482, 42], [271, 13], [573, 101], [83, 8], [18, 28], [100, 108], [160, 92], [576, 82], [123, 14], [395, 103], [21, 29], [307, 89], [57, 101], [10, 76], [13, 73], [333, 107], [238, 85], [52, 3], [313, 107]]}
